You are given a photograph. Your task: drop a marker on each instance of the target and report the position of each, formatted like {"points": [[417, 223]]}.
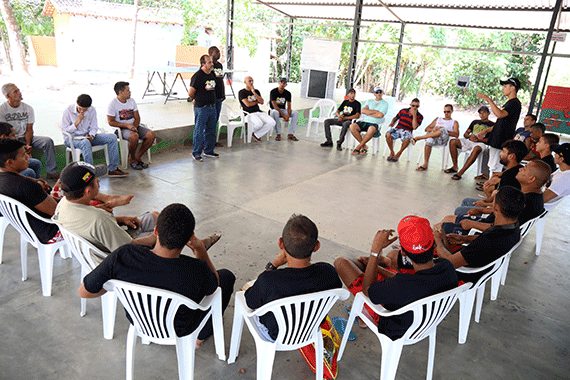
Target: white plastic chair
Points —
{"points": [[153, 310], [83, 251], [299, 319], [17, 214], [75, 153], [327, 108], [541, 223], [495, 272], [3, 224], [478, 162], [228, 119], [409, 148], [444, 152], [124, 146], [428, 313]]}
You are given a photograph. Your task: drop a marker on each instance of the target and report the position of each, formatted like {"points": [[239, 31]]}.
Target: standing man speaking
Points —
{"points": [[203, 92], [214, 53]]}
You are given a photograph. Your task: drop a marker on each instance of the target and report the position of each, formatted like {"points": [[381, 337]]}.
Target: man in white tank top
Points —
{"points": [[439, 131]]}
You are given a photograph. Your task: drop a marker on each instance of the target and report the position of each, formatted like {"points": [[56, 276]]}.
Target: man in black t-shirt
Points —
{"points": [[218, 70], [391, 288], [347, 112], [506, 123], [470, 143], [250, 99], [203, 91], [490, 245], [545, 147], [298, 242], [165, 268], [280, 104], [13, 160]]}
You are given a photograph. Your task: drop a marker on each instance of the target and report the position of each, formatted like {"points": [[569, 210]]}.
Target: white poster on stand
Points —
{"points": [[320, 55]]}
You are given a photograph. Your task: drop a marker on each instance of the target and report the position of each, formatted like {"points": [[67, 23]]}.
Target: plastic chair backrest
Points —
{"points": [[228, 114], [428, 312], [152, 310], [299, 316], [527, 227], [326, 108], [16, 212], [81, 248]]}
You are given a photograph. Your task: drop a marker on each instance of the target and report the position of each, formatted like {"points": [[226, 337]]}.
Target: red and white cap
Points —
{"points": [[415, 234]]}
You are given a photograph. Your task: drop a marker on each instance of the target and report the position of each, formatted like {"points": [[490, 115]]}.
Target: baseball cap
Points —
{"points": [[378, 89], [484, 108], [351, 90], [563, 150], [76, 176], [512, 81], [283, 80], [415, 234]]}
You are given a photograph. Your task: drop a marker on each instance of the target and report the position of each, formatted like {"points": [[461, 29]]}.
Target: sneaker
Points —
{"points": [[212, 155], [53, 176], [327, 144], [197, 158], [101, 170], [117, 173], [338, 146]]}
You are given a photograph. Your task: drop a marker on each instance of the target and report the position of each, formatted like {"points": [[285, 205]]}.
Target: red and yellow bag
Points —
{"points": [[331, 344]]}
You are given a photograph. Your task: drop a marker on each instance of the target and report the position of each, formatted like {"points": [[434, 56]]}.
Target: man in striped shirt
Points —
{"points": [[409, 119]]}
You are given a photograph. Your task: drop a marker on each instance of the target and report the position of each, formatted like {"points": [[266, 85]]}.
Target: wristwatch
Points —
{"points": [[270, 266], [374, 254]]}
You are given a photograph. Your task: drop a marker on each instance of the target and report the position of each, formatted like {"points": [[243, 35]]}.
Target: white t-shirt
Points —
{"points": [[447, 124], [122, 112], [560, 186], [18, 117]]}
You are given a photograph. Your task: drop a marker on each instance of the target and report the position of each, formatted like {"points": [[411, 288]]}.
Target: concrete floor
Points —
{"points": [[247, 195]]}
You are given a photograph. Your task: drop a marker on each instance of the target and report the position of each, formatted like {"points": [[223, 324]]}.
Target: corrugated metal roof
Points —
{"points": [[112, 10], [526, 15]]}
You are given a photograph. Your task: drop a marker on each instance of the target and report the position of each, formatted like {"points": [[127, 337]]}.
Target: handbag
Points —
{"points": [[331, 344]]}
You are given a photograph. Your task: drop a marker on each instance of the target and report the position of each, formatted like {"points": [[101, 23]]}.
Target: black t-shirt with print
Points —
{"points": [[505, 127], [280, 98], [205, 85], [219, 73], [348, 108], [245, 94]]}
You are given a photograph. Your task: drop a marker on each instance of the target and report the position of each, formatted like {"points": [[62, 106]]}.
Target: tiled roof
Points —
{"points": [[112, 10]]}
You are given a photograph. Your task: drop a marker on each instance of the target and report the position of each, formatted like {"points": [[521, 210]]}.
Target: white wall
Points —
{"points": [[105, 44]]}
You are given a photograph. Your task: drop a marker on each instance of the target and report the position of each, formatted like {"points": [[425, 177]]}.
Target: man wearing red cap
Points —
{"points": [[394, 289]]}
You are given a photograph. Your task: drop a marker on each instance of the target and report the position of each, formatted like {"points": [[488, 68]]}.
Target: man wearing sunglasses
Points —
{"points": [[409, 119]]}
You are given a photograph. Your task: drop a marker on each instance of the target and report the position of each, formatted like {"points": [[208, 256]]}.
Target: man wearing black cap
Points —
{"points": [[280, 103], [506, 123], [471, 142], [348, 111], [101, 228], [560, 186]]}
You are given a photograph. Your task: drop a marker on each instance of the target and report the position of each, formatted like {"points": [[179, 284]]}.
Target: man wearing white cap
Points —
{"points": [[373, 112]]}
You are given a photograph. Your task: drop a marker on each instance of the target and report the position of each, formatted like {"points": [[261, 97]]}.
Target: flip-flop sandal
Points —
{"points": [[278, 138], [456, 177], [292, 138], [340, 326], [219, 144], [213, 240], [481, 176], [414, 141], [479, 188], [363, 151], [136, 166], [421, 169], [143, 165], [450, 170], [356, 151]]}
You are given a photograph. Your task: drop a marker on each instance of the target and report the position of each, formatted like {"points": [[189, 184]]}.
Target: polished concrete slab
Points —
{"points": [[247, 195]]}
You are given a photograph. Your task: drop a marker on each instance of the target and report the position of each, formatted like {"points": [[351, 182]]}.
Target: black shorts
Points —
{"points": [[364, 126]]}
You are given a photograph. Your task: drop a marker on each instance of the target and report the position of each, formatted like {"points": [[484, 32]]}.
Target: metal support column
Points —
{"points": [[544, 54], [289, 49], [398, 61], [354, 44], [230, 36]]}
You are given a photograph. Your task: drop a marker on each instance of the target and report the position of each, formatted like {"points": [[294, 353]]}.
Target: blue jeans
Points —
{"points": [[33, 170], [109, 139], [466, 205], [205, 119], [46, 145]]}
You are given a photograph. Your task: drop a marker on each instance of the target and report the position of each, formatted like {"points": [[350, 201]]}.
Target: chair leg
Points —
{"points": [[431, 355], [3, 224], [319, 355], [218, 325], [466, 301], [124, 146], [539, 227], [265, 359], [391, 352], [185, 353], [45, 258], [230, 136], [83, 301], [131, 345], [409, 152], [24, 257], [495, 282], [479, 302], [237, 330], [108, 309]]}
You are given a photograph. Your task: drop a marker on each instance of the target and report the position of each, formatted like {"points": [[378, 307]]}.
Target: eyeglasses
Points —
{"points": [[415, 105], [446, 111]]}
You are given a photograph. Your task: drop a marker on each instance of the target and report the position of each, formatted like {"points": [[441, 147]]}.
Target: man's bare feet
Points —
{"points": [[211, 240], [120, 200], [199, 343]]}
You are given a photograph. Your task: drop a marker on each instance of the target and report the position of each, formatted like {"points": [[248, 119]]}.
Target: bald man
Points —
{"points": [[250, 99]]}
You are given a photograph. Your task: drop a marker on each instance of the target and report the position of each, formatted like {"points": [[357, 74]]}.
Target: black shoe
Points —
{"points": [[212, 155], [338, 146], [198, 158], [327, 144]]}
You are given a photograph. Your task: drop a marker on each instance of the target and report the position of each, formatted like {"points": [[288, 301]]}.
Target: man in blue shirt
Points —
{"points": [[373, 112]]}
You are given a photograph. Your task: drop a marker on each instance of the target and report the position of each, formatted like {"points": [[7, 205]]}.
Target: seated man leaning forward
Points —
{"points": [[165, 268], [123, 113], [409, 119], [439, 131], [471, 144], [297, 243], [391, 288], [250, 99], [80, 120], [348, 111], [34, 165], [373, 112], [490, 245], [280, 103]]}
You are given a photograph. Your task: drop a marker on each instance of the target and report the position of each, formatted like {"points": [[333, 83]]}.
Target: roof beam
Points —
{"points": [[389, 10], [275, 9]]}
